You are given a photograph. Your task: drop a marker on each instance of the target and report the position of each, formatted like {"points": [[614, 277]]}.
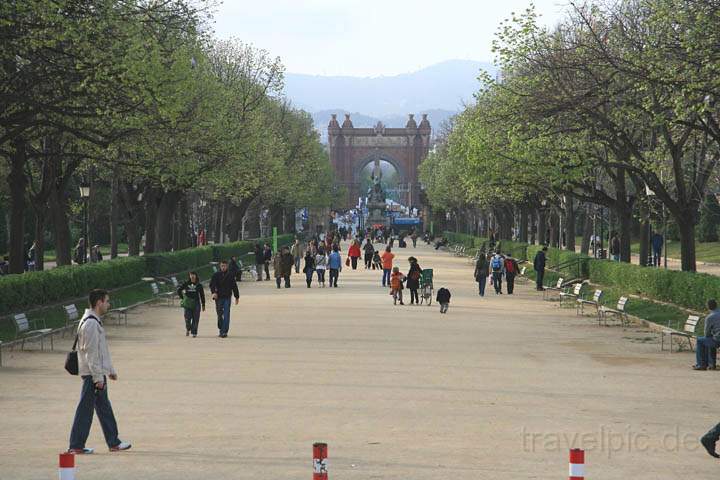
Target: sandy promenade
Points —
{"points": [[496, 389]]}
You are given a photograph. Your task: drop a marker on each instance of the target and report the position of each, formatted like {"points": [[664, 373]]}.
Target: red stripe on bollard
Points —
{"points": [[320, 461], [67, 460], [577, 464]]}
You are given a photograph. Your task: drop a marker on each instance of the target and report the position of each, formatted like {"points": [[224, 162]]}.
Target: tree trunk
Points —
{"points": [[59, 212], [569, 224], [587, 230], [542, 227], [18, 184], [114, 217], [150, 220], [524, 219], [687, 244], [164, 225], [217, 222], [554, 230], [40, 223], [625, 222]]}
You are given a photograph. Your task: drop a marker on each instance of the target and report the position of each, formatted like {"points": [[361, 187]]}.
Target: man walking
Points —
{"points": [[94, 367], [267, 258], [335, 265], [497, 266], [539, 267], [298, 252], [511, 269], [657, 245], [223, 286], [283, 264]]}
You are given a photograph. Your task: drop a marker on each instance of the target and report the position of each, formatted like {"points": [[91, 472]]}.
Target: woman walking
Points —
{"points": [[369, 250], [321, 265], [413, 280], [192, 299], [482, 270], [309, 266], [387, 265], [354, 253]]}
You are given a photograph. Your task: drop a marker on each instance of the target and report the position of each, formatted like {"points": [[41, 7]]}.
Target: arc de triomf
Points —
{"points": [[351, 149]]}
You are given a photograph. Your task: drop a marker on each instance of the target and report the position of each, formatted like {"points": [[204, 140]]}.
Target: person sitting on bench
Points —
{"points": [[706, 345]]}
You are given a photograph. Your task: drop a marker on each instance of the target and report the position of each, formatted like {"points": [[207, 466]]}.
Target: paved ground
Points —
{"points": [[497, 388]]}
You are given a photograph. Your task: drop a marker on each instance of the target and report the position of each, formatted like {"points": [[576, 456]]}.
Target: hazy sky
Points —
{"points": [[372, 37]]}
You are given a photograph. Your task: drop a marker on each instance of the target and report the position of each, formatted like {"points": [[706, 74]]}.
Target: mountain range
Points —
{"points": [[440, 90]]}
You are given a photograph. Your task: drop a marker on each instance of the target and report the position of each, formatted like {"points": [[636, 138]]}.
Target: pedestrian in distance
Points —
{"points": [[376, 261], [615, 247], [259, 261], [309, 267], [511, 270], [223, 287], [482, 271], [267, 258], [94, 367], [234, 267], [335, 265], [657, 245], [369, 250], [192, 300], [354, 254], [706, 346], [321, 265], [298, 252], [497, 267], [387, 264], [443, 298], [282, 265], [539, 267], [413, 280], [80, 252], [396, 285], [414, 237]]}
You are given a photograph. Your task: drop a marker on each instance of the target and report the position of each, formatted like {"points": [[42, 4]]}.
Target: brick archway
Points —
{"points": [[351, 149]]}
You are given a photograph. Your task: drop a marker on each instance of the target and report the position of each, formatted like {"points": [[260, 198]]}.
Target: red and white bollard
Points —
{"points": [[577, 464], [320, 461], [67, 466]]}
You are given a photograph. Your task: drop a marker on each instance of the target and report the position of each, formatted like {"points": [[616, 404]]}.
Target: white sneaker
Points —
{"points": [[81, 451], [120, 447]]}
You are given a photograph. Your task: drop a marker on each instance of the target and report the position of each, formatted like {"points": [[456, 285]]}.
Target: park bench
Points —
{"points": [[27, 330], [688, 332], [567, 295], [522, 275], [72, 316], [595, 302], [617, 312], [557, 288], [172, 294]]}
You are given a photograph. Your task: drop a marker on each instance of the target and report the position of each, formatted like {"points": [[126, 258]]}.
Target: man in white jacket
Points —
{"points": [[95, 367]]}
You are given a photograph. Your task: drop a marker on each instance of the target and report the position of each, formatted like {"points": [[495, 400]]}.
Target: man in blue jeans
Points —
{"points": [[706, 345], [94, 367], [223, 286]]}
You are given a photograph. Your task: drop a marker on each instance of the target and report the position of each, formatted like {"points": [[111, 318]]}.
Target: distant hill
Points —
{"points": [[445, 86], [322, 118]]}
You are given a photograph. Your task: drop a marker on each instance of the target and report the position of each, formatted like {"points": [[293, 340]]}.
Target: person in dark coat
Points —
{"points": [[482, 272], [193, 289], [234, 267], [223, 286], [412, 281], [539, 267], [267, 258], [309, 267], [443, 298], [283, 263], [259, 261]]}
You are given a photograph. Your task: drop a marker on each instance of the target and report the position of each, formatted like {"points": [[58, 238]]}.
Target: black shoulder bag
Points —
{"points": [[71, 360]]}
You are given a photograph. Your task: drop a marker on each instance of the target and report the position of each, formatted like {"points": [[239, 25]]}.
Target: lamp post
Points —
{"points": [[85, 195]]}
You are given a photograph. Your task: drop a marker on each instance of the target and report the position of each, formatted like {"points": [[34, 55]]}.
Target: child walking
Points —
{"points": [[443, 298], [396, 285]]}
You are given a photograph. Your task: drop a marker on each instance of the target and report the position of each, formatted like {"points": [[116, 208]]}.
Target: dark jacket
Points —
{"points": [[192, 290], [233, 267], [539, 261], [309, 263], [267, 255], [224, 284], [443, 295], [482, 268], [283, 264], [413, 276]]}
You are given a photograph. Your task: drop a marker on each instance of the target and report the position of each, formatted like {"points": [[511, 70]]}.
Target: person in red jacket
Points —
{"points": [[354, 253]]}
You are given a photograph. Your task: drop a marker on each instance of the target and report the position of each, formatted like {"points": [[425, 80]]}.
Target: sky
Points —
{"points": [[370, 38]]}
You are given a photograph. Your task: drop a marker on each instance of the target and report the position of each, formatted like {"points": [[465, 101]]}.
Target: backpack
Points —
{"points": [[496, 263], [509, 266]]}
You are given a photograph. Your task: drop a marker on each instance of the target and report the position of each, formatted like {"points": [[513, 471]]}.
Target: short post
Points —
{"points": [[320, 461], [577, 464], [67, 466]]}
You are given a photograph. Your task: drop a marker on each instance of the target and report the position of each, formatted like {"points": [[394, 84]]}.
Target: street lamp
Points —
{"points": [[85, 195]]}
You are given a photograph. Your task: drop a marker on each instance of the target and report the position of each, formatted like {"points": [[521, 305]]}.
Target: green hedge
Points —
{"points": [[32, 289], [517, 249]]}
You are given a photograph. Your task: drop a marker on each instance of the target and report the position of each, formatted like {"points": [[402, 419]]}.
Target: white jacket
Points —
{"points": [[93, 354]]}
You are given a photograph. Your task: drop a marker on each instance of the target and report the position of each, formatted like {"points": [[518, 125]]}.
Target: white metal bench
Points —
{"points": [[547, 291], [72, 316], [27, 330], [617, 312], [688, 333], [571, 296], [595, 302]]}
